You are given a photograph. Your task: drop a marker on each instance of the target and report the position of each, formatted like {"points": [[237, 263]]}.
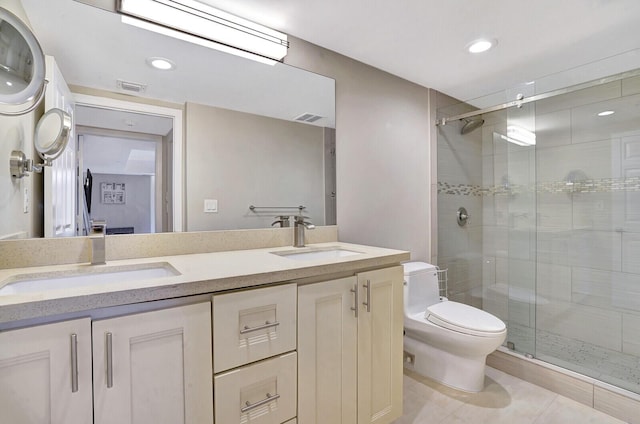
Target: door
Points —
{"points": [[327, 352], [380, 326], [45, 374], [154, 367], [60, 179]]}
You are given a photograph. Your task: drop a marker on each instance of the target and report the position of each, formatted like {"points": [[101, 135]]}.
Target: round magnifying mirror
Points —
{"points": [[22, 66], [52, 133]]}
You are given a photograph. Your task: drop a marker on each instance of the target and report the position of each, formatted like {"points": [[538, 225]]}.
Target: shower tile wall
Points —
{"points": [[554, 230], [588, 230], [459, 185]]}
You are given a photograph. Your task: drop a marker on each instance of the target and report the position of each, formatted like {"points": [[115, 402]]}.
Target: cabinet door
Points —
{"points": [[327, 352], [380, 346], [154, 367], [45, 374]]}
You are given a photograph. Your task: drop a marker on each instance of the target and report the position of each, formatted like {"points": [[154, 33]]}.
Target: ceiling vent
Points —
{"points": [[308, 117], [132, 87]]}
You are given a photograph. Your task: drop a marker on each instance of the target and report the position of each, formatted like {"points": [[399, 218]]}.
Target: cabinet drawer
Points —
{"points": [[242, 395], [252, 325]]}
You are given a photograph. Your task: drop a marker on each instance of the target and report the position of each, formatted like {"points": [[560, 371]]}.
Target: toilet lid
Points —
{"points": [[464, 319]]}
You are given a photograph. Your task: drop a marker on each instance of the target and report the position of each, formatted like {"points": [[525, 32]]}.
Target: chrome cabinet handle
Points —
{"points": [[355, 291], [74, 363], [368, 302], [109, 360], [250, 406], [267, 324]]}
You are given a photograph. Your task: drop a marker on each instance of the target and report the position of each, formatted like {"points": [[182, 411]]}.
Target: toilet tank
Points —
{"points": [[421, 289]]}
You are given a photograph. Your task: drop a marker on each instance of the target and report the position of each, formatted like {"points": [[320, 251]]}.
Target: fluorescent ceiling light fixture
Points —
{"points": [[520, 136], [481, 45], [161, 63], [606, 113], [198, 23], [195, 40]]}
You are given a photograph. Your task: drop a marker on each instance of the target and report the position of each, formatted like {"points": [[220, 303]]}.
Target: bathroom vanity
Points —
{"points": [[272, 335]]}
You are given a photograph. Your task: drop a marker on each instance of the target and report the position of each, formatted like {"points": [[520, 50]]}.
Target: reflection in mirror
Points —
{"points": [[21, 65], [52, 134], [123, 164], [246, 124]]}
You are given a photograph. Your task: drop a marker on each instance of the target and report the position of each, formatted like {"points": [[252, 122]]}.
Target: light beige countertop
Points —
{"points": [[197, 274]]}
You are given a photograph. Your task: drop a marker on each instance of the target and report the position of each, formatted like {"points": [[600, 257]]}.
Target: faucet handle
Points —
{"points": [[283, 220], [98, 225]]}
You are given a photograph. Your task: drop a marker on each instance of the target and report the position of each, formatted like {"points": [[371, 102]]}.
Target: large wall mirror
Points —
{"points": [[251, 133]]}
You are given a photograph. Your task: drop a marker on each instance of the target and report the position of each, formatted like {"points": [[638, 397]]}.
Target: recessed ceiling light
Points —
{"points": [[161, 63], [606, 113], [481, 45]]}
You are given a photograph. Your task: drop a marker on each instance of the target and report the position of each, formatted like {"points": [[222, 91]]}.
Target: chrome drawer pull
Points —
{"points": [[264, 401], [74, 363], [368, 302], [267, 324], [356, 303], [109, 360]]}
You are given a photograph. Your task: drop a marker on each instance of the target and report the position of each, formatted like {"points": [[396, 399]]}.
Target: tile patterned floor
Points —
{"points": [[506, 399], [612, 367]]}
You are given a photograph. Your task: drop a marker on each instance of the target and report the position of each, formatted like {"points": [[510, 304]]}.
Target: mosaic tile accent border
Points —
{"points": [[460, 189], [606, 185]]}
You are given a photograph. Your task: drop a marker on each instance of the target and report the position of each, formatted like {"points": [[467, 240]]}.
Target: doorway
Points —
{"points": [[129, 158]]}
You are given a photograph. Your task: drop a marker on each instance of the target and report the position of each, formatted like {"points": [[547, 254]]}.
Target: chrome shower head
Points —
{"points": [[471, 124]]}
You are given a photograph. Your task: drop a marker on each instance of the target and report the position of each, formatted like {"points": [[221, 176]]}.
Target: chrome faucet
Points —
{"points": [[298, 232], [97, 231]]}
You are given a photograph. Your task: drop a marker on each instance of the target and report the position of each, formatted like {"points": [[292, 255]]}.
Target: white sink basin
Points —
{"points": [[317, 254], [89, 276]]}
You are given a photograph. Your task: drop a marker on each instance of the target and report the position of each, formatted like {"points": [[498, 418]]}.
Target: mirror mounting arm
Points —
{"points": [[21, 166]]}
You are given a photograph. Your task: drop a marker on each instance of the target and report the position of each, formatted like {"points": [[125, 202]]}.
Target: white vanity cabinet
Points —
{"points": [[272, 347], [45, 374], [149, 367], [154, 367], [350, 368]]}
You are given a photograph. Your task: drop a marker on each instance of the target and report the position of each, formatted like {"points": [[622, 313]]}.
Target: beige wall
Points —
{"points": [[16, 133], [383, 127], [241, 159]]}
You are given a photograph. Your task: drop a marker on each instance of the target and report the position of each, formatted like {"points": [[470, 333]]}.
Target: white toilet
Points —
{"points": [[446, 341]]}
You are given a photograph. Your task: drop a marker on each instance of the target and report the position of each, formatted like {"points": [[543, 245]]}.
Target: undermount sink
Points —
{"points": [[89, 276], [317, 254]]}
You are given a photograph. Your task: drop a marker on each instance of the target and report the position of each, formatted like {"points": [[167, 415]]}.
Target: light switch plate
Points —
{"points": [[210, 206]]}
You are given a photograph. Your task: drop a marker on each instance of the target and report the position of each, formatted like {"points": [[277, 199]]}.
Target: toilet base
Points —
{"points": [[464, 373]]}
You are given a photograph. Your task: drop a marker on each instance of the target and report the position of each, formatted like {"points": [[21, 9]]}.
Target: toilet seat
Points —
{"points": [[464, 319]]}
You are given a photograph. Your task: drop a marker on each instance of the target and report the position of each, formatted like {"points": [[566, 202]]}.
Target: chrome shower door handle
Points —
{"points": [[74, 363], [356, 303], [109, 346], [368, 302]]}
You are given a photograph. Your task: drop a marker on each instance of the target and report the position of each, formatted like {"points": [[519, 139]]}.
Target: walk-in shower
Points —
{"points": [[551, 184]]}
